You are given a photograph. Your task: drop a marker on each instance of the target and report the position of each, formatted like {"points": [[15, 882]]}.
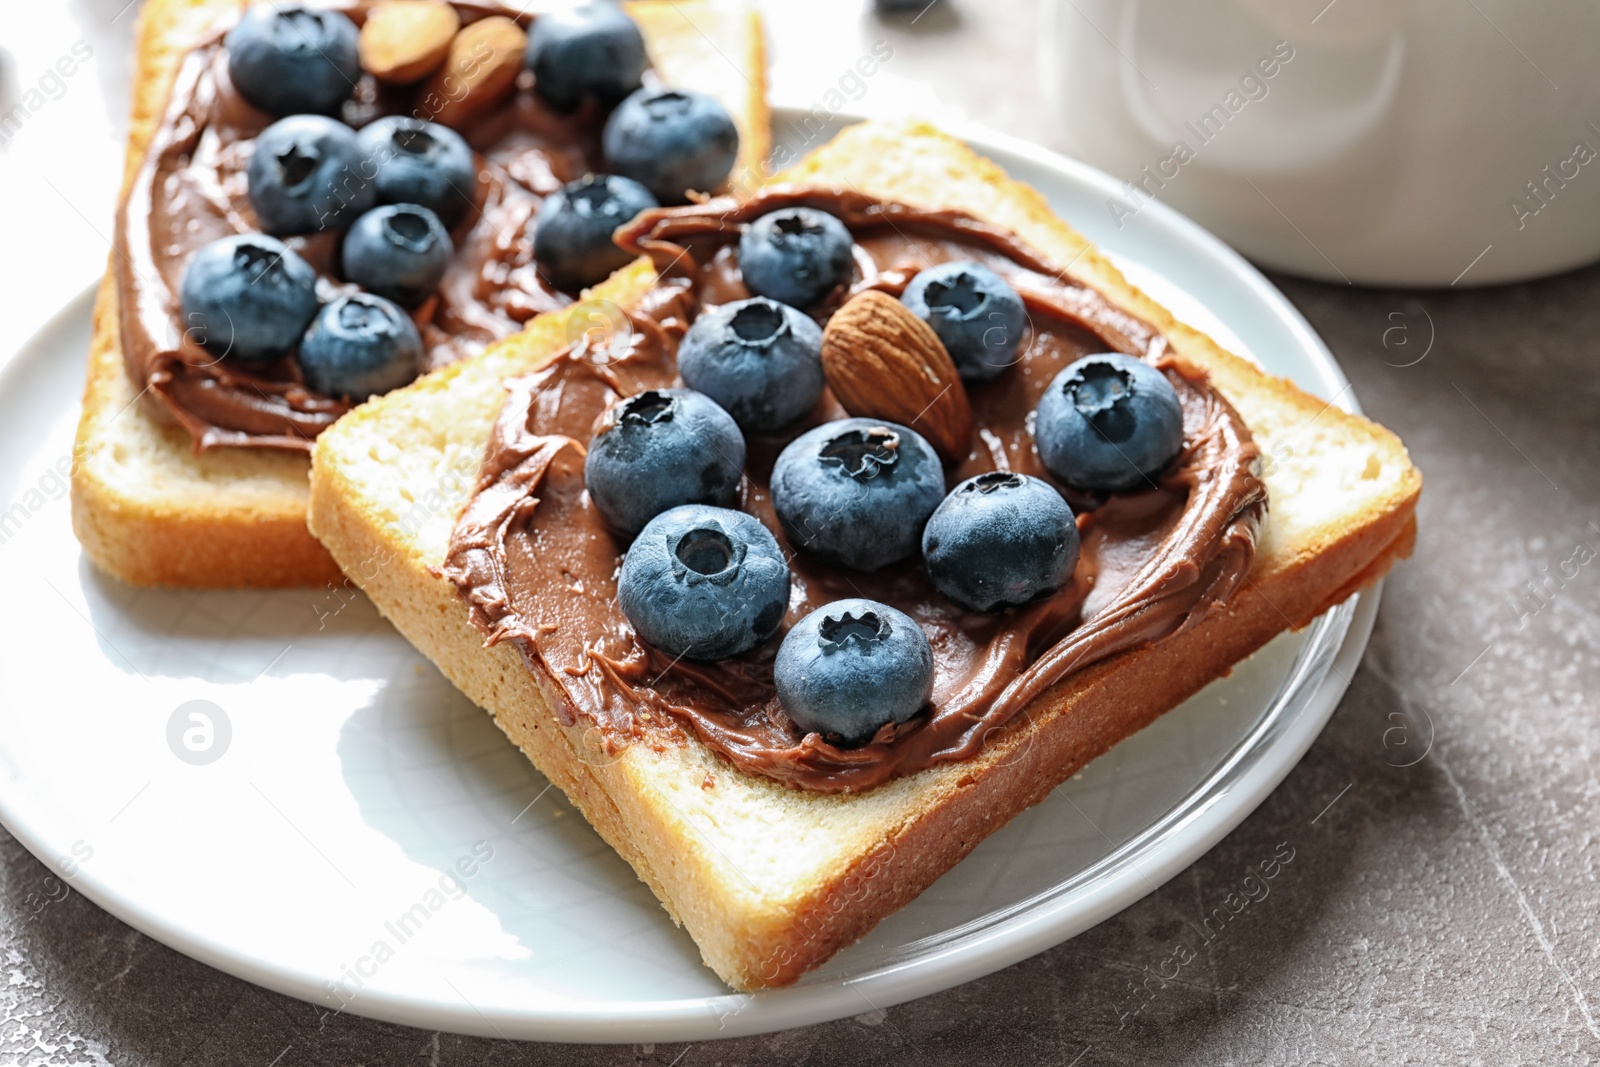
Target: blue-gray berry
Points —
{"points": [[977, 315], [1108, 423], [290, 58], [658, 450], [248, 297], [592, 51], [572, 236], [1000, 539], [672, 141], [399, 251], [410, 161], [857, 491], [795, 255], [307, 175], [759, 359], [360, 345], [847, 669], [704, 583]]}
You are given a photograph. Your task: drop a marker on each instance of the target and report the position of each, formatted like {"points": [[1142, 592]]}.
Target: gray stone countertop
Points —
{"points": [[1444, 913]]}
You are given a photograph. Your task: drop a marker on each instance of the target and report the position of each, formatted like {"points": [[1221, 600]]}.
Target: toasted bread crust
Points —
{"points": [[145, 506], [769, 881]]}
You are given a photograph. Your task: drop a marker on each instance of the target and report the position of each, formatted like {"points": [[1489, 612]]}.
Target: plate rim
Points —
{"points": [[1026, 932]]}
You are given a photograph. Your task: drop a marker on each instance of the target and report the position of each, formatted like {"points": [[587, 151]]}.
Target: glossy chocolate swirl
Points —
{"points": [[537, 565]]}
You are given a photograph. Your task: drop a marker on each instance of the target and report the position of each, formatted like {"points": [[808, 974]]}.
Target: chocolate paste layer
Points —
{"points": [[191, 189], [537, 565]]}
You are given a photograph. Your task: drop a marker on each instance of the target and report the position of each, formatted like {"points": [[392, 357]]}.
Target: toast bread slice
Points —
{"points": [[768, 880], [151, 511]]}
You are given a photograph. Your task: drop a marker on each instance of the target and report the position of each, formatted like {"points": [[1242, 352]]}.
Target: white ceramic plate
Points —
{"points": [[346, 777]]}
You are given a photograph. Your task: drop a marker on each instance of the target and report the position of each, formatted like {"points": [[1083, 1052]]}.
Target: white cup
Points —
{"points": [[1386, 142]]}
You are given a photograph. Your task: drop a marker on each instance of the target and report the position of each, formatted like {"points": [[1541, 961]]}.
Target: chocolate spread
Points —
{"points": [[537, 565], [191, 189]]}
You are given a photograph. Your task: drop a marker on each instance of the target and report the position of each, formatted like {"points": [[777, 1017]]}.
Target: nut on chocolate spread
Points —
{"points": [[536, 564], [191, 189]]}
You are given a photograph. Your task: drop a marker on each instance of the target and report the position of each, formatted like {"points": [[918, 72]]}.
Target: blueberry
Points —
{"points": [[795, 255], [306, 176], [359, 346], [1000, 539], [399, 251], [761, 360], [1108, 423], [975, 313], [410, 161], [593, 50], [672, 141], [702, 582], [290, 58], [849, 668], [248, 296], [659, 449], [857, 491], [572, 235]]}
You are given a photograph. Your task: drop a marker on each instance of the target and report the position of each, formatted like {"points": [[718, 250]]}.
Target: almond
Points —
{"points": [[480, 70], [404, 41], [882, 362]]}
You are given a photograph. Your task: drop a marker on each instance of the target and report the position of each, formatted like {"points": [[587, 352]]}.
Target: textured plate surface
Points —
{"points": [[278, 785]]}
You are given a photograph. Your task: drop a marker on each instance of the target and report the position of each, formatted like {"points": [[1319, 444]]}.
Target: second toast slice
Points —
{"points": [[771, 881]]}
